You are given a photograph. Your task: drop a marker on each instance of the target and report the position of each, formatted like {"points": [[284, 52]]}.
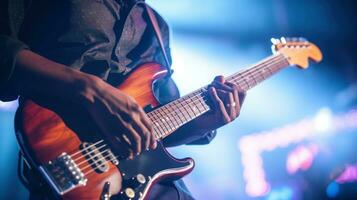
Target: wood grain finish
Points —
{"points": [[46, 136]]}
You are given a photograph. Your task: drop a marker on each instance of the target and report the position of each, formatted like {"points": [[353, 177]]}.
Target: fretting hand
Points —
{"points": [[226, 99]]}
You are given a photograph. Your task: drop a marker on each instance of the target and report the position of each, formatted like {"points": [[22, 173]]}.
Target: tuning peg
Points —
{"points": [[275, 41], [283, 40], [302, 39], [295, 39]]}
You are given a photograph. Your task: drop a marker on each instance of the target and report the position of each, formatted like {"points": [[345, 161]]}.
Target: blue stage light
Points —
{"points": [[285, 193], [333, 189]]}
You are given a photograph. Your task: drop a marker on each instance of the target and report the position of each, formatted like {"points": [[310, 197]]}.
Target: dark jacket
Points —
{"points": [[101, 37]]}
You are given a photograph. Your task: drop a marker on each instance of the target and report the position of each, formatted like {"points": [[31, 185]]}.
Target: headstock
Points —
{"points": [[297, 51]]}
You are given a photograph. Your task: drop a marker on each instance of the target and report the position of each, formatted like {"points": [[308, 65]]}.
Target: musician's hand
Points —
{"points": [[82, 100], [227, 99], [118, 114]]}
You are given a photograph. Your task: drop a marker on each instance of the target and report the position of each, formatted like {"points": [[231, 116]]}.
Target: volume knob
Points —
{"points": [[129, 192], [140, 178]]}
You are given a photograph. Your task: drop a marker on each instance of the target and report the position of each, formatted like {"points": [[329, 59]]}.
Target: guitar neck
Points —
{"points": [[168, 118]]}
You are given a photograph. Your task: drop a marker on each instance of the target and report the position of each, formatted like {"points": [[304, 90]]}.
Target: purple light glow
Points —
{"points": [[253, 145], [348, 175], [301, 158]]}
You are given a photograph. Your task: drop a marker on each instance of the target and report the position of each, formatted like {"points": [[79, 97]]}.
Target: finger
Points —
{"points": [[231, 106], [219, 104], [153, 142], [124, 147], [242, 94], [228, 101], [132, 122], [143, 132], [219, 79], [131, 155], [133, 138], [147, 122], [222, 86], [236, 97]]}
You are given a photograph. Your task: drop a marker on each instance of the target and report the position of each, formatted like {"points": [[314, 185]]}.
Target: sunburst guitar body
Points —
{"points": [[76, 163], [48, 144]]}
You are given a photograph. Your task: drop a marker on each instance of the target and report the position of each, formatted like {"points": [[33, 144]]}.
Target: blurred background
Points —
{"points": [[295, 138]]}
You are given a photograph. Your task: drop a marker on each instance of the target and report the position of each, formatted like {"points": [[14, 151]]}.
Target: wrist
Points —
{"points": [[37, 77], [85, 87]]}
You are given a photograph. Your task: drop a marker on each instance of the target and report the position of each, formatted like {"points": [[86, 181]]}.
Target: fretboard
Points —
{"points": [[168, 118]]}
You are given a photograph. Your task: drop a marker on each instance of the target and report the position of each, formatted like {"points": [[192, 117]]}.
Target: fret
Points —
{"points": [[171, 116], [196, 102], [153, 117], [159, 124], [177, 117], [271, 72], [167, 118], [183, 105], [259, 72], [161, 130], [239, 78], [187, 106], [193, 106], [259, 77], [161, 121], [172, 109], [180, 115], [157, 133], [252, 76], [264, 75], [205, 107], [184, 116], [247, 83]]}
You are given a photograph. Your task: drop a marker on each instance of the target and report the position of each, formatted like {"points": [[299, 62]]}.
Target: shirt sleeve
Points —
{"points": [[9, 48], [205, 139]]}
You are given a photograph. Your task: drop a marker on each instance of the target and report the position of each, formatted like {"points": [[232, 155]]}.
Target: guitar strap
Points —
{"points": [[158, 35]]}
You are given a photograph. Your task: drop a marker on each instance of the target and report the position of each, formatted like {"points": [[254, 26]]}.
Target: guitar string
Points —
{"points": [[257, 68], [93, 169], [107, 149], [260, 66], [84, 149], [89, 153], [173, 104], [198, 95], [203, 99]]}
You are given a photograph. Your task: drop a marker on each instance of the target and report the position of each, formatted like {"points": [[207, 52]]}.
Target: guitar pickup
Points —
{"points": [[96, 157]]}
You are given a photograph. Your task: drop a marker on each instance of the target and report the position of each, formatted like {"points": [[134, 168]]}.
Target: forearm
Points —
{"points": [[35, 75]]}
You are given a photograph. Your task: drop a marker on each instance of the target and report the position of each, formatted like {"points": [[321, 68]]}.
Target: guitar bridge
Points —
{"points": [[63, 174]]}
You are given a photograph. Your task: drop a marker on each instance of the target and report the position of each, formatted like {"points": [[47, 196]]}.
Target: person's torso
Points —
{"points": [[106, 38]]}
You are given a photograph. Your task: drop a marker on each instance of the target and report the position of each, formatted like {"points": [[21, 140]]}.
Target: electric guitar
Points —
{"points": [[77, 165]]}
